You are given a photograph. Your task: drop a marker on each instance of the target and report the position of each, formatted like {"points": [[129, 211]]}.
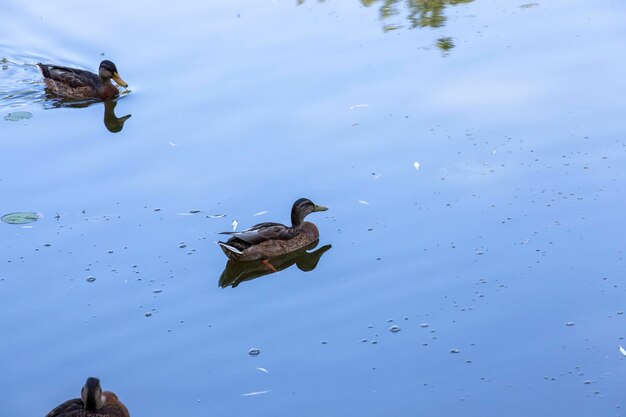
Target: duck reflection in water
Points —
{"points": [[113, 123], [77, 88], [237, 272]]}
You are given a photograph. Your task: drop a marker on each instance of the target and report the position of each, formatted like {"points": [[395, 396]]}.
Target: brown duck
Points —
{"points": [[93, 402], [81, 84], [267, 240]]}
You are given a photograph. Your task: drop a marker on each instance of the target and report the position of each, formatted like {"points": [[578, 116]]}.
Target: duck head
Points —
{"points": [[108, 71], [91, 395], [302, 208]]}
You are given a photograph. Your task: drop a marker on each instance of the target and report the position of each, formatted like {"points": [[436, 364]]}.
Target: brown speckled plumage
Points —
{"points": [[268, 240], [81, 84], [307, 234]]}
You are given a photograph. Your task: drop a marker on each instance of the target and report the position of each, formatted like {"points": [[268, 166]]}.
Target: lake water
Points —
{"points": [[473, 158]]}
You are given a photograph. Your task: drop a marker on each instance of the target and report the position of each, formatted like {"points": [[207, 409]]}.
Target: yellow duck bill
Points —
{"points": [[118, 80]]}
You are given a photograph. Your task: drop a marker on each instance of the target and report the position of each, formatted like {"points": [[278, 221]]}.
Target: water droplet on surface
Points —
{"points": [[394, 329], [91, 278], [254, 352]]}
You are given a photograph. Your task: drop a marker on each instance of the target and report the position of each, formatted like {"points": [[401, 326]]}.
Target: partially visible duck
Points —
{"points": [[93, 402]]}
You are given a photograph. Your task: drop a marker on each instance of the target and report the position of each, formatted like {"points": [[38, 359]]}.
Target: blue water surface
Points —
{"points": [[473, 157]]}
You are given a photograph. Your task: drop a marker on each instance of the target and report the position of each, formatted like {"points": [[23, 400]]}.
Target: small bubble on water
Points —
{"points": [[91, 278], [569, 323], [455, 350], [254, 352], [394, 329]]}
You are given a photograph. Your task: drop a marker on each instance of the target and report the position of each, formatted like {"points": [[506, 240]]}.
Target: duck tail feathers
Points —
{"points": [[227, 247], [44, 70]]}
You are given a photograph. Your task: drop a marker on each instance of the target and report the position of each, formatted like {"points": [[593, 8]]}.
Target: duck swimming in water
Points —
{"points": [[93, 402], [267, 240], [81, 84]]}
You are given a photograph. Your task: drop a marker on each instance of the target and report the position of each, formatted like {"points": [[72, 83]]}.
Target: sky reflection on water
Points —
{"points": [[510, 228]]}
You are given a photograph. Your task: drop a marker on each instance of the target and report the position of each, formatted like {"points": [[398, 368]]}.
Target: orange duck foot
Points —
{"points": [[269, 266]]}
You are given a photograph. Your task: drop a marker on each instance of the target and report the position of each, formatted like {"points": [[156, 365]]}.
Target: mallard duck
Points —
{"points": [[93, 402], [81, 84], [267, 240]]}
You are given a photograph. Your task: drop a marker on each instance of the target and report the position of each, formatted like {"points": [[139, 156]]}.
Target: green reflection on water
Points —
{"points": [[445, 44], [420, 14]]}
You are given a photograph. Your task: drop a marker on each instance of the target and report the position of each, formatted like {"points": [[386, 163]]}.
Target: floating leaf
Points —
{"points": [[18, 115], [20, 218]]}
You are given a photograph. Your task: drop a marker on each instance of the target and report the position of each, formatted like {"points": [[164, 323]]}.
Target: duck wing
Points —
{"points": [[72, 77], [68, 408], [264, 231]]}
